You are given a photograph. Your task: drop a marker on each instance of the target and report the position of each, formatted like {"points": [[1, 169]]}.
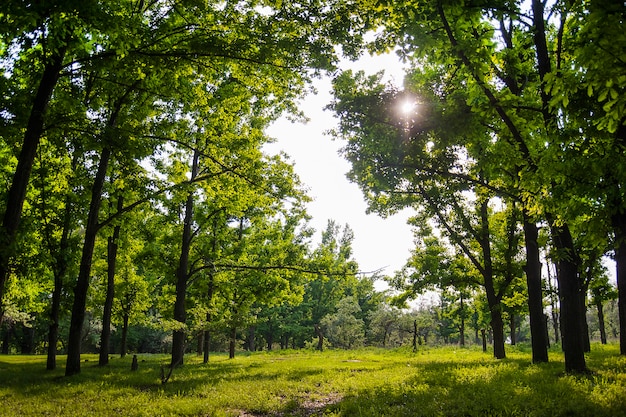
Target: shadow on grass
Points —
{"points": [[508, 387]]}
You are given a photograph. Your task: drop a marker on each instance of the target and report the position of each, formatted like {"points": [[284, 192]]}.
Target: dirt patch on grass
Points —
{"points": [[305, 407]]}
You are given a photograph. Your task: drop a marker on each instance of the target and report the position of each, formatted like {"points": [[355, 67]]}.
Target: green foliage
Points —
{"points": [[443, 381]]}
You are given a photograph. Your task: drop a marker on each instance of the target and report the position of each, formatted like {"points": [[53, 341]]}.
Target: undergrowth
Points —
{"points": [[369, 382]]}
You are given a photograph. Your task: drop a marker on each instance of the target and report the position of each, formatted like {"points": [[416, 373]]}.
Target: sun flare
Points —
{"points": [[407, 107]]}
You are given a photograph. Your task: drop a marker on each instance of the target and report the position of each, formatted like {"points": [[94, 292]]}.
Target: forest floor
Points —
{"points": [[441, 381]]}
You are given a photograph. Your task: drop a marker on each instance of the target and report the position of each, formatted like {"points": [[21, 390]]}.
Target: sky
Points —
{"points": [[379, 244]]}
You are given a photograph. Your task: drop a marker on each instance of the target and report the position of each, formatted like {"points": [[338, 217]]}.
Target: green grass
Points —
{"points": [[369, 382]]}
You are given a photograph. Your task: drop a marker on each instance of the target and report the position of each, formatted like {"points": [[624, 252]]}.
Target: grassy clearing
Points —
{"points": [[432, 382]]}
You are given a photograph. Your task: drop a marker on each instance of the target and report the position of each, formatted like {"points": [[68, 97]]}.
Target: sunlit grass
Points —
{"points": [[368, 382]]}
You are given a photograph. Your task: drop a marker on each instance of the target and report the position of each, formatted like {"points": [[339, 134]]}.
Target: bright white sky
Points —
{"points": [[378, 243]]}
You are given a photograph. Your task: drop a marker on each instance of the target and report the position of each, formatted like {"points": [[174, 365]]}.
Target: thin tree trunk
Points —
{"points": [[251, 339], [232, 343], [555, 316], [513, 329], [82, 283], [495, 307], [600, 309], [532, 269], [180, 313], [207, 346], [124, 344], [19, 184], [619, 227], [59, 269], [484, 339], [320, 337], [112, 246], [462, 326]]}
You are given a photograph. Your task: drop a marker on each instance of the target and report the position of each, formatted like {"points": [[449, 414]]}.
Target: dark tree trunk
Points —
{"points": [[105, 337], [59, 271], [251, 339], [600, 309], [556, 326], [232, 343], [82, 283], [513, 329], [27, 346], [207, 332], [320, 338], [180, 312], [414, 335], [462, 326], [495, 307], [619, 227], [270, 340], [19, 184], [538, 328], [6, 340], [484, 339], [207, 346], [199, 343], [124, 343], [569, 295], [584, 324]]}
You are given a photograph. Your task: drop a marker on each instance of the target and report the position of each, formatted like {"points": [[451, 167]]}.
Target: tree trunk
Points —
{"points": [[82, 283], [320, 338], [6, 340], [553, 309], [584, 324], [462, 326], [532, 269], [180, 313], [59, 271], [207, 346], [124, 343], [600, 309], [619, 227], [484, 339], [495, 307], [569, 296], [105, 337], [414, 335], [270, 340], [19, 184], [513, 329], [232, 342], [251, 338]]}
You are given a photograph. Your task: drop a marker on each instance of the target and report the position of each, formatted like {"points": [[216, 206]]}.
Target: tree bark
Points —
{"points": [[532, 269], [601, 325], [553, 309], [462, 326], [19, 183], [82, 283], [619, 228], [59, 271], [320, 337], [232, 342], [569, 296], [495, 307], [124, 344], [182, 272], [105, 337]]}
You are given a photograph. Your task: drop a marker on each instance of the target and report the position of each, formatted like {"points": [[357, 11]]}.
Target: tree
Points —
{"points": [[342, 328], [337, 273], [522, 65], [601, 292]]}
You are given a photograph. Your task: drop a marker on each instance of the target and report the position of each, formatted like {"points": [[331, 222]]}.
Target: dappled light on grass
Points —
{"points": [[368, 382]]}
